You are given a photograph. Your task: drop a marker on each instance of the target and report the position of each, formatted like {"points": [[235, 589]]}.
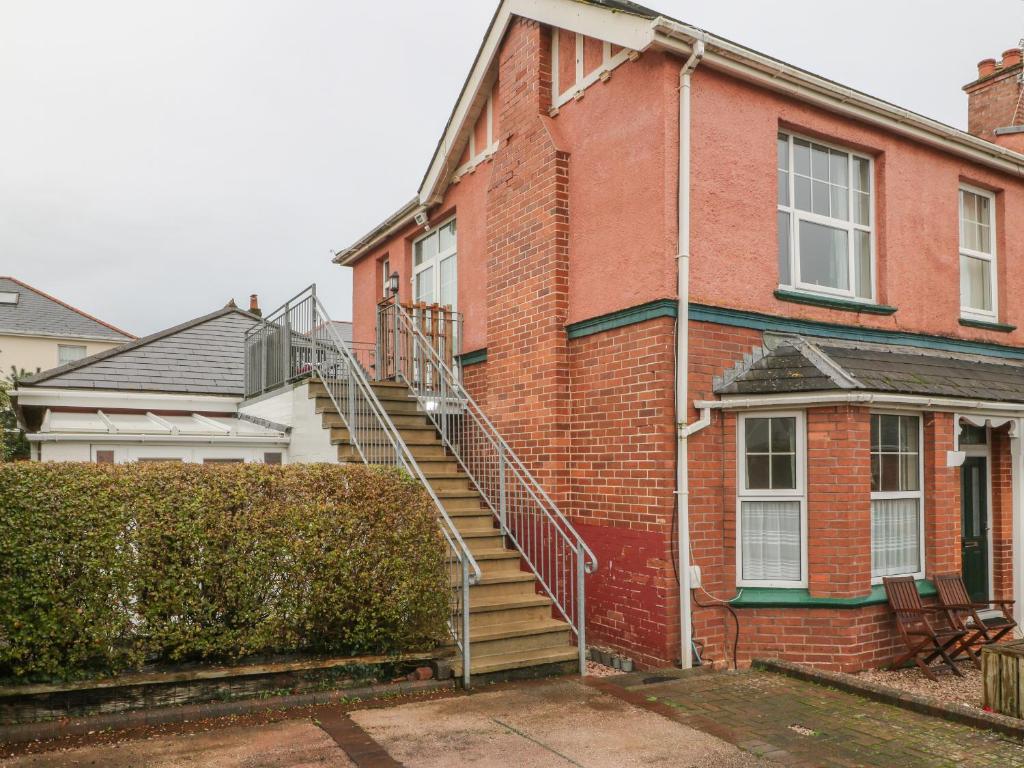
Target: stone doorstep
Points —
{"points": [[956, 713], [54, 729]]}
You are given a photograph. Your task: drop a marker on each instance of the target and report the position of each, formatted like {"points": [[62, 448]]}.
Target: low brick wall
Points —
{"points": [[22, 704]]}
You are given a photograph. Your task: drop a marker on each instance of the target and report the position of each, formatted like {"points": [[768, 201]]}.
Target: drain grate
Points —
{"points": [[657, 679]]}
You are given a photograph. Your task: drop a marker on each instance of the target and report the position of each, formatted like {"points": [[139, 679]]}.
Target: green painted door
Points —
{"points": [[974, 521]]}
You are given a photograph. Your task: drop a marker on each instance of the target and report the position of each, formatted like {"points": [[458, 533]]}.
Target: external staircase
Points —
{"points": [[512, 622]]}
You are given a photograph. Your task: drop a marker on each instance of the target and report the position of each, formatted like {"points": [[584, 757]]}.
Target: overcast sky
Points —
{"points": [[158, 157]]}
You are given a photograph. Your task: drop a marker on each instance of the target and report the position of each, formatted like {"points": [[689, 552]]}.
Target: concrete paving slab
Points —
{"points": [[288, 744], [558, 723]]}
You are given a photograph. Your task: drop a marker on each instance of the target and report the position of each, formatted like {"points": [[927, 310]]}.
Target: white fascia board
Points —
{"points": [[441, 164], [618, 27], [804, 86], [887, 399], [102, 437], [622, 29], [397, 221], [145, 401]]}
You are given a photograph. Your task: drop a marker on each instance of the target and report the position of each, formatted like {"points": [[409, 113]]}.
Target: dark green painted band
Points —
{"points": [[623, 317], [474, 357], [1001, 327], [833, 303], [757, 321], [764, 597]]}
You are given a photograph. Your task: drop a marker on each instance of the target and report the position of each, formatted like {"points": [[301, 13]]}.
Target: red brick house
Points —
{"points": [[851, 371]]}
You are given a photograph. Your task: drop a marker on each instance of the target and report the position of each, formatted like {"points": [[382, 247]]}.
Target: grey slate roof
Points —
{"points": [[789, 364], [38, 313], [202, 356]]}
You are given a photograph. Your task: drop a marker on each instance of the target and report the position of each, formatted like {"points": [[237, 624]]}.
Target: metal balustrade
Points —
{"points": [[298, 341], [545, 538]]}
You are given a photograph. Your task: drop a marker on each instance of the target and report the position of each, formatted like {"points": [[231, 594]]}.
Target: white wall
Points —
{"points": [[310, 442], [127, 452]]}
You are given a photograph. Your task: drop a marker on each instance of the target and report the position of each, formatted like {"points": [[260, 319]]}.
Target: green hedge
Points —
{"points": [[104, 568]]}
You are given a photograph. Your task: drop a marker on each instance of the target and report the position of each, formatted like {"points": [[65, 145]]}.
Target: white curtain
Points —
{"points": [[770, 539], [895, 537]]}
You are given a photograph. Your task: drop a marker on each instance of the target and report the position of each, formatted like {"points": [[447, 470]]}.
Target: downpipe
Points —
{"points": [[683, 432]]}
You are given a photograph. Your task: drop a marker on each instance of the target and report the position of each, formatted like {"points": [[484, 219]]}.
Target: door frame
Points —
{"points": [[985, 452]]}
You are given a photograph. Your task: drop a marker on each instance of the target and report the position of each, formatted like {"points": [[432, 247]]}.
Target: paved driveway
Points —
{"points": [[288, 744], [559, 723], [719, 720]]}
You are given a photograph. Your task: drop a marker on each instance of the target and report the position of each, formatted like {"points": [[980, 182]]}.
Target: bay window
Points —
{"points": [[977, 254], [826, 242], [897, 502], [771, 501]]}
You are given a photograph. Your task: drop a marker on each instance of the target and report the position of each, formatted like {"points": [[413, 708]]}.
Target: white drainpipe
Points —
{"points": [[682, 359]]}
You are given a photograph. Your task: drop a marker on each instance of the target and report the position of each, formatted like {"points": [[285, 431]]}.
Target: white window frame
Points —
{"points": [[435, 262], [798, 494], [385, 268], [9, 298], [919, 494], [796, 215], [61, 347], [972, 313]]}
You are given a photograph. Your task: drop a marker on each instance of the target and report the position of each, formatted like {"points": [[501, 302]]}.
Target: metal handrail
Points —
{"points": [[316, 347], [526, 514]]}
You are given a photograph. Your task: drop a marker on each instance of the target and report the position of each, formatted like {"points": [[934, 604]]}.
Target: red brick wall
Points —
{"points": [[991, 103], [1001, 515], [839, 639], [941, 497], [839, 501], [527, 265], [474, 379], [622, 481]]}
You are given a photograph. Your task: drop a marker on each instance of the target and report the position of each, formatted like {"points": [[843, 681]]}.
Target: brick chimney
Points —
{"points": [[995, 109], [254, 305]]}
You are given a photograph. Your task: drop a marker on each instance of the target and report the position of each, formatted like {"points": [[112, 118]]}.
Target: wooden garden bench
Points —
{"points": [[963, 614], [925, 642]]}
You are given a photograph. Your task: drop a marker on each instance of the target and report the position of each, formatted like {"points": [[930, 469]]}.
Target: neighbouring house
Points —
{"points": [[844, 400], [170, 396], [38, 331]]}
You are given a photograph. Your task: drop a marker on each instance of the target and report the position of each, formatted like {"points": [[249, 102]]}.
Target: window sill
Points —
{"points": [[829, 302], [987, 325], [768, 597]]}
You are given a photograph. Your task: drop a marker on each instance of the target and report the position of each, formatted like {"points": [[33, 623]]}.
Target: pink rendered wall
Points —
{"points": [[734, 262], [466, 200], [622, 138]]}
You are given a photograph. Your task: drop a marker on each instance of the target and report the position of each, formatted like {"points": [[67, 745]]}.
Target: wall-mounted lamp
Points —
{"points": [[393, 284]]}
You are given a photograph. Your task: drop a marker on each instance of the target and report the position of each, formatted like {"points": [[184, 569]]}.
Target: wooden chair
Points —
{"points": [[925, 643], [963, 614]]}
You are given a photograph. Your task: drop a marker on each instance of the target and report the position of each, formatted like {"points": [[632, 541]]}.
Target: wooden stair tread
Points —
{"points": [[496, 554], [508, 603], [456, 493], [501, 578], [517, 629], [500, 662]]}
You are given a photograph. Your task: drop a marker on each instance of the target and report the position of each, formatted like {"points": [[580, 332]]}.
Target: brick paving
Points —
{"points": [[793, 722]]}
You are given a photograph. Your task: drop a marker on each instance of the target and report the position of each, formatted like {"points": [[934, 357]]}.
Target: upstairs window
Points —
{"points": [[69, 353], [977, 254], [826, 243], [8, 297], [434, 266]]}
